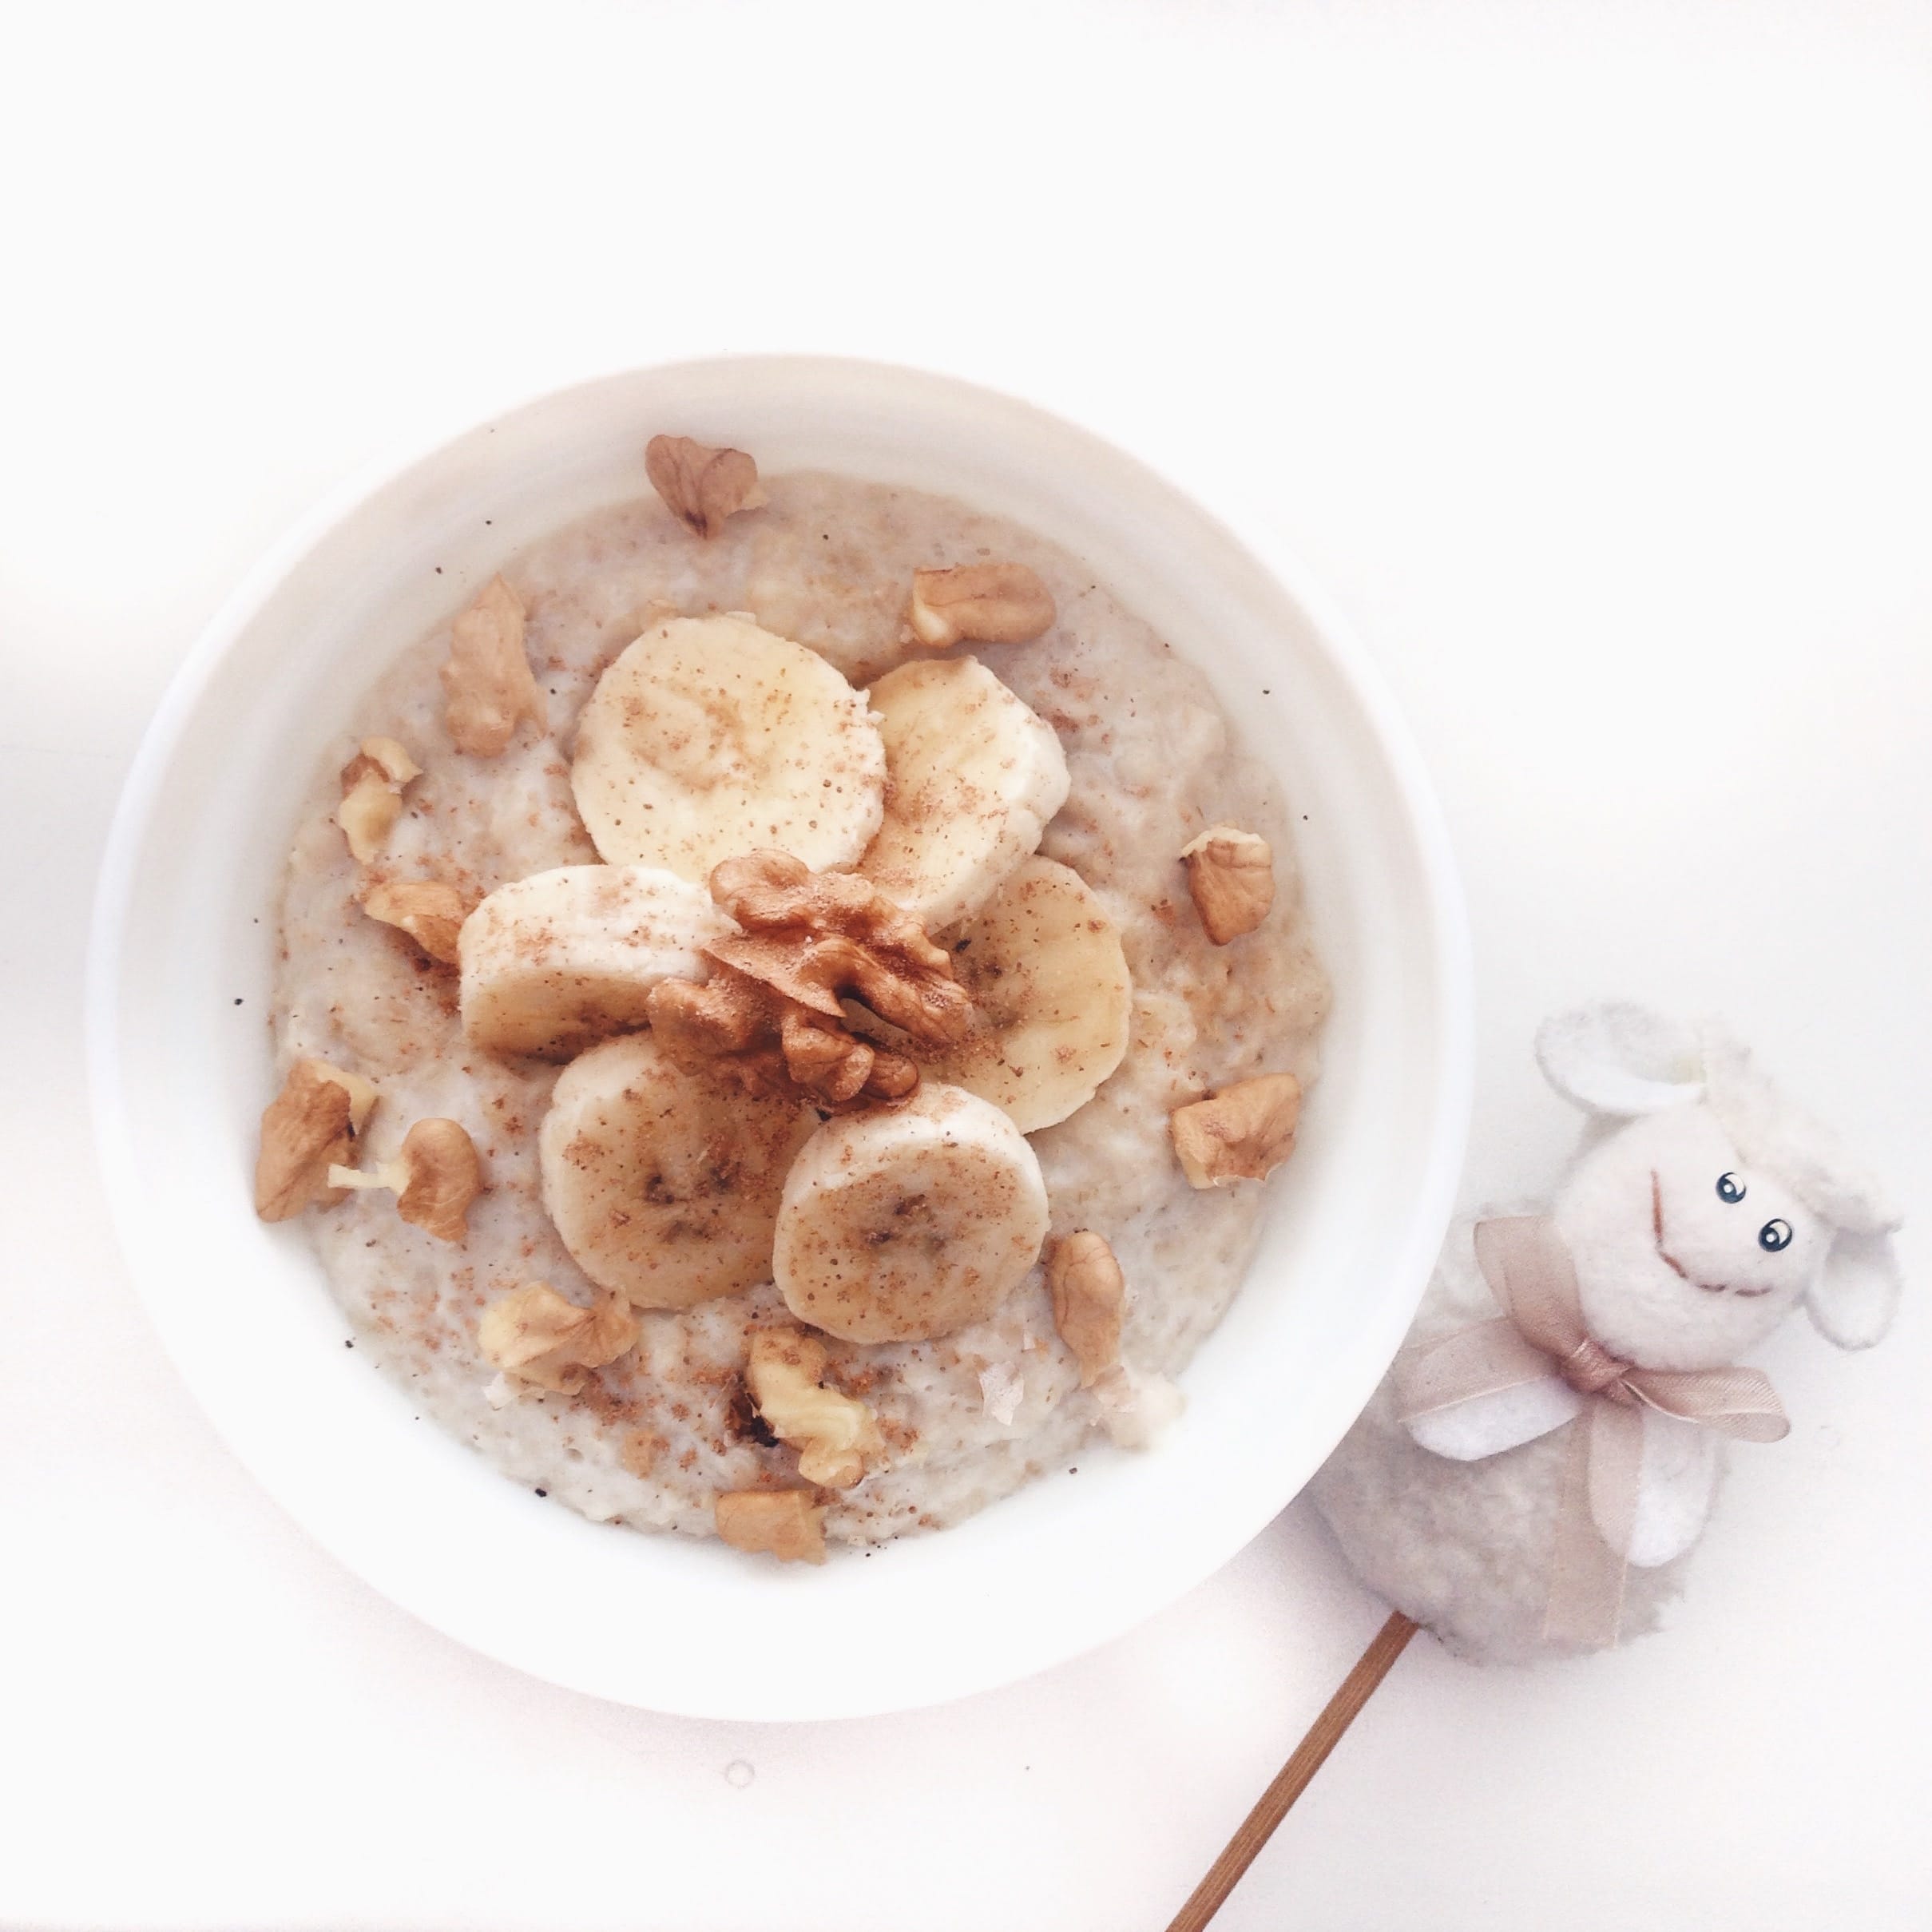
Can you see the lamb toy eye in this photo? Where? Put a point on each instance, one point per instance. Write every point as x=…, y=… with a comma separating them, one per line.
x=1730, y=1188
x=1774, y=1235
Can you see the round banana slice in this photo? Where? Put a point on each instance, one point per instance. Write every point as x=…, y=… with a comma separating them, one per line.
x=664, y=1184
x=909, y=1221
x=972, y=776
x=708, y=736
x=1052, y=998
x=551, y=962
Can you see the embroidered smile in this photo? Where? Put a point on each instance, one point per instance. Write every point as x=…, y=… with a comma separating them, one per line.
x=1672, y=1262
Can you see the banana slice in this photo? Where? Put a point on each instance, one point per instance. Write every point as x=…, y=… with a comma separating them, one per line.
x=555, y=961
x=664, y=1184
x=909, y=1221
x=1052, y=998
x=972, y=776
x=708, y=736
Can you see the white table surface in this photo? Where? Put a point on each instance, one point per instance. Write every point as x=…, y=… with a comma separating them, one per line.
x=1586, y=355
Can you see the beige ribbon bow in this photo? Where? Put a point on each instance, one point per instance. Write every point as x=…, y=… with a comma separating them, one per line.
x=1526, y=1264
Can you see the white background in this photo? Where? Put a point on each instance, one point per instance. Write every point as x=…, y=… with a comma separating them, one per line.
x=1586, y=355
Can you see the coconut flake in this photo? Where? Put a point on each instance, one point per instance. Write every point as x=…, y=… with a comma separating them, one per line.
x=1135, y=1409
x=1001, y=1388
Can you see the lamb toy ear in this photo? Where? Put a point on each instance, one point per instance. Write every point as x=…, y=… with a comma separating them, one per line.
x=1620, y=1059
x=1856, y=1294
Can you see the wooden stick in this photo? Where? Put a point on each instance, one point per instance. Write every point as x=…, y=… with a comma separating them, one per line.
x=1293, y=1779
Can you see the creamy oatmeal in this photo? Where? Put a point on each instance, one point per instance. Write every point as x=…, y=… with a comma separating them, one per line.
x=1051, y=837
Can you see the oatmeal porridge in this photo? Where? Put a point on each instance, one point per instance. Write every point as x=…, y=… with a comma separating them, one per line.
x=788, y=1003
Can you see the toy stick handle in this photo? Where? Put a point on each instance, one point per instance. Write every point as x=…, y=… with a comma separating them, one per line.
x=1293, y=1779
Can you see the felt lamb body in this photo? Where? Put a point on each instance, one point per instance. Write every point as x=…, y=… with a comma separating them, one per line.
x=1546, y=1447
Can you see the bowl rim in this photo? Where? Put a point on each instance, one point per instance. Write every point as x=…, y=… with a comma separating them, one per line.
x=1448, y=978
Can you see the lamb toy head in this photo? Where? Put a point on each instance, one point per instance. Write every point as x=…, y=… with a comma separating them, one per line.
x=1700, y=1221
x=1702, y=1207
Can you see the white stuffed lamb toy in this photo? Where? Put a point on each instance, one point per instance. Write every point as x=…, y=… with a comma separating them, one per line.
x=1702, y=1207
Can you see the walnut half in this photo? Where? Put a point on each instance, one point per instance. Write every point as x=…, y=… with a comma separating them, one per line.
x=982, y=603
x=1243, y=1133
x=310, y=1124
x=700, y=485
x=1090, y=1296
x=1231, y=878
x=536, y=1336
x=834, y=1435
x=435, y=1179
x=486, y=677
x=772, y=1014
x=787, y=1523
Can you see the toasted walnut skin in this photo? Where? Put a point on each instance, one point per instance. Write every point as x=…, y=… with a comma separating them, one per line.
x=1089, y=1295
x=772, y=1014
x=535, y=1335
x=787, y=1523
x=308, y=1127
x=1243, y=1133
x=835, y=1437
x=981, y=604
x=699, y=484
x=445, y=1178
x=486, y=677
x=1231, y=878
x=431, y=913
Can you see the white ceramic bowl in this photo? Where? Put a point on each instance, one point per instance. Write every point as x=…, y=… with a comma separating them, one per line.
x=181, y=1069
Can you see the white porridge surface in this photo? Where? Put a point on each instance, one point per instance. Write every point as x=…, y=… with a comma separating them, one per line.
x=654, y=1437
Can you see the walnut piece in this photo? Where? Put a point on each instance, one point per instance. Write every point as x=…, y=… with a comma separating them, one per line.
x=1231, y=878
x=486, y=677
x=787, y=1523
x=701, y=485
x=435, y=1178
x=373, y=783
x=311, y=1123
x=984, y=603
x=834, y=1435
x=1090, y=1296
x=537, y=1336
x=1243, y=1133
x=772, y=1014
x=431, y=913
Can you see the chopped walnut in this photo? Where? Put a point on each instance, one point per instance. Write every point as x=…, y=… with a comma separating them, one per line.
x=1231, y=878
x=431, y=913
x=700, y=485
x=537, y=1336
x=772, y=1014
x=1089, y=1295
x=834, y=1435
x=373, y=783
x=312, y=1123
x=1243, y=1133
x=787, y=1523
x=435, y=1178
x=982, y=603
x=640, y=1450
x=486, y=677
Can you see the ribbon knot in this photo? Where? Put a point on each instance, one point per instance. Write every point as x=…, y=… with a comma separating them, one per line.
x=1539, y=1333
x=1590, y=1369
